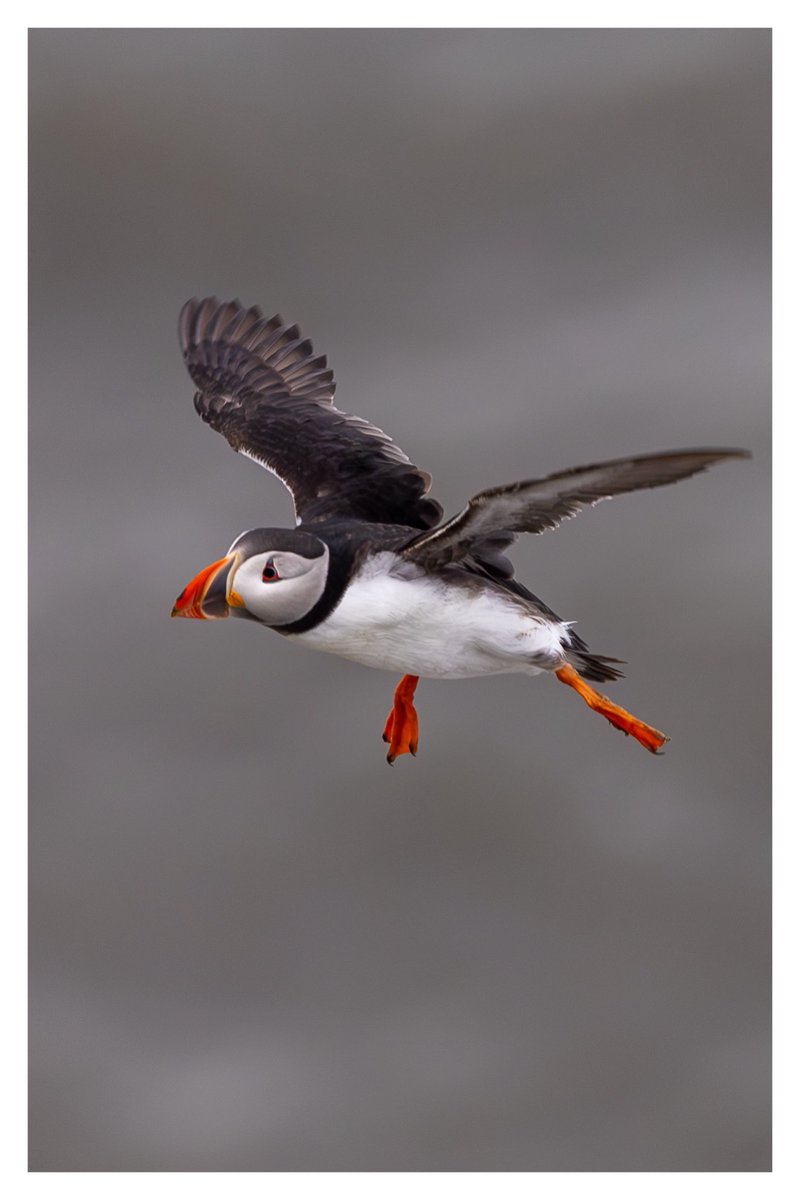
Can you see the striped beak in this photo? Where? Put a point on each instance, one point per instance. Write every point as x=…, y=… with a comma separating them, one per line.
x=209, y=596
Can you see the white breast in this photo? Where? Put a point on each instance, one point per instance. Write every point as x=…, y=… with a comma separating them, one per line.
x=417, y=624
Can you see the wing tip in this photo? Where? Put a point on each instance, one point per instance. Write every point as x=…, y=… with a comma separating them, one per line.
x=274, y=343
x=209, y=314
x=716, y=452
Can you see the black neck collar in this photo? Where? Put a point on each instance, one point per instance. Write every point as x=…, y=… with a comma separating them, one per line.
x=341, y=568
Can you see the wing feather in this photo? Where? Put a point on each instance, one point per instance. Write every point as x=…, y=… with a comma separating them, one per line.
x=261, y=386
x=539, y=504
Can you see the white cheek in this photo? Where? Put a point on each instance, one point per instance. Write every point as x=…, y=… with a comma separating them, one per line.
x=285, y=600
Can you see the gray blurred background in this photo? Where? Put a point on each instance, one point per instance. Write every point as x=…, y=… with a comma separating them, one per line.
x=254, y=946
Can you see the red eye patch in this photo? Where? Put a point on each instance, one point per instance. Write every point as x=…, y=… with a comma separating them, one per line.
x=269, y=574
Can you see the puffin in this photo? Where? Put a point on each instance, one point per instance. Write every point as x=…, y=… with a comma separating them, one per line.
x=371, y=571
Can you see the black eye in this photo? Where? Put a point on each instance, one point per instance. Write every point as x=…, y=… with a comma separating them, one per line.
x=269, y=574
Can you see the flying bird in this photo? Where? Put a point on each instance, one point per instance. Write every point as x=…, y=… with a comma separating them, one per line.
x=371, y=572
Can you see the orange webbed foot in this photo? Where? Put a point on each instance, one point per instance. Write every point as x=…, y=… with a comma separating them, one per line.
x=401, y=730
x=652, y=739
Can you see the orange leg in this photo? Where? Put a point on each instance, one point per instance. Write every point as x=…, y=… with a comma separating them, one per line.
x=401, y=730
x=645, y=735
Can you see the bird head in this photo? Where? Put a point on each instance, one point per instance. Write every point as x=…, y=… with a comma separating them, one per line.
x=274, y=576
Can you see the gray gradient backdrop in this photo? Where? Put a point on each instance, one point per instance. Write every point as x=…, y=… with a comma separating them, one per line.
x=536, y=947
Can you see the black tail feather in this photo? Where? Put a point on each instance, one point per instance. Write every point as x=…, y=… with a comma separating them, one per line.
x=596, y=667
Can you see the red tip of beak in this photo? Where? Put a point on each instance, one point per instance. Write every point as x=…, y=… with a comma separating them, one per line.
x=190, y=601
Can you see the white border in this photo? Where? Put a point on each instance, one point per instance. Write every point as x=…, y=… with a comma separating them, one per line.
x=785, y=1179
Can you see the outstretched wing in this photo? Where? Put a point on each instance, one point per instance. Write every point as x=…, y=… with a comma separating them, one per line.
x=539, y=504
x=262, y=388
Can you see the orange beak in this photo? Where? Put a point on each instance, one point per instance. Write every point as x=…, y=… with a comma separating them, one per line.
x=207, y=597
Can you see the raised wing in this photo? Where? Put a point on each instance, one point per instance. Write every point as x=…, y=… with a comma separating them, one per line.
x=539, y=504
x=262, y=388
